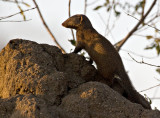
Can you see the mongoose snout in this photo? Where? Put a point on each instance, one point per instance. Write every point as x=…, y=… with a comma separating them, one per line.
x=72, y=22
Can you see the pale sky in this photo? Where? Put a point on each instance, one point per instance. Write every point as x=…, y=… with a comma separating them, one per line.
x=55, y=12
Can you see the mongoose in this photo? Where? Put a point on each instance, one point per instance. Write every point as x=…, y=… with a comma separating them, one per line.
x=104, y=54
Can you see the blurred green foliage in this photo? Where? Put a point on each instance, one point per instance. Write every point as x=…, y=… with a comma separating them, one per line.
x=119, y=5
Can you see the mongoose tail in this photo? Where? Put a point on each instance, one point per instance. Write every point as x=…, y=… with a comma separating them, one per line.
x=130, y=92
x=106, y=57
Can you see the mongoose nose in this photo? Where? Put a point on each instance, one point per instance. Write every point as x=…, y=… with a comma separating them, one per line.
x=63, y=24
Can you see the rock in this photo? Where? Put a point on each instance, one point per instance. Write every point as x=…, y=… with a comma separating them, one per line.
x=97, y=100
x=38, y=81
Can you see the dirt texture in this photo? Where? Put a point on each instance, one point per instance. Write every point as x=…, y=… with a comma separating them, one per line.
x=38, y=81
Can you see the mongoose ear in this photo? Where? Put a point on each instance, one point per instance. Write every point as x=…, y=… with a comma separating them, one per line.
x=81, y=20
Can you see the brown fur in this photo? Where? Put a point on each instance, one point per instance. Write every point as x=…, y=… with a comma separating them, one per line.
x=106, y=57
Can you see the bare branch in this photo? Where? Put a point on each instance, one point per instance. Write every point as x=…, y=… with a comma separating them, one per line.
x=16, y=20
x=111, y=28
x=155, y=93
x=69, y=13
x=141, y=28
x=121, y=43
x=108, y=22
x=46, y=26
x=153, y=37
x=149, y=88
x=142, y=62
x=107, y=29
x=69, y=8
x=2, y=18
x=144, y=23
x=102, y=19
x=85, y=7
x=128, y=51
x=19, y=2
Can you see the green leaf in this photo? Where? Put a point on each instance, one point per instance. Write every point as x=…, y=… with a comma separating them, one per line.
x=26, y=4
x=156, y=30
x=107, y=1
x=158, y=70
x=98, y=7
x=157, y=40
x=150, y=47
x=73, y=42
x=117, y=13
x=109, y=8
x=139, y=5
x=158, y=49
x=142, y=3
x=149, y=37
x=136, y=7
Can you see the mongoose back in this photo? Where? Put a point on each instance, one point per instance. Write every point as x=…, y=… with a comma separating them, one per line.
x=104, y=54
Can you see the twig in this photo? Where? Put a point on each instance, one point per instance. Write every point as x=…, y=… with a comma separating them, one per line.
x=143, y=6
x=108, y=22
x=150, y=88
x=112, y=36
x=2, y=18
x=102, y=19
x=112, y=27
x=153, y=37
x=21, y=10
x=144, y=23
x=16, y=21
x=69, y=13
x=69, y=8
x=121, y=43
x=107, y=26
x=92, y=2
x=154, y=98
x=151, y=20
x=138, y=54
x=85, y=7
x=157, y=79
x=19, y=2
x=142, y=62
x=155, y=93
x=46, y=26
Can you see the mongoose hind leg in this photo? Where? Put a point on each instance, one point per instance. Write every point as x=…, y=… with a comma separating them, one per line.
x=101, y=79
x=117, y=86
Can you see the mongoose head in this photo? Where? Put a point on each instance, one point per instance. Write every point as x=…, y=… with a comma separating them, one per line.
x=77, y=21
